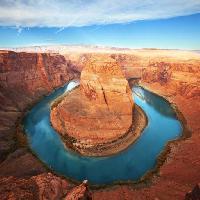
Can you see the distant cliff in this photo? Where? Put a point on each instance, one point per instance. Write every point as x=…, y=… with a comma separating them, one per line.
x=178, y=71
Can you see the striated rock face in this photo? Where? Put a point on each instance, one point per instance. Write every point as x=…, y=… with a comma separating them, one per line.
x=174, y=74
x=24, y=78
x=178, y=77
x=178, y=71
x=45, y=186
x=32, y=74
x=103, y=82
x=80, y=192
x=100, y=110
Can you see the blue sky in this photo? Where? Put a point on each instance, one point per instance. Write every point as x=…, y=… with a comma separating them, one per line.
x=175, y=27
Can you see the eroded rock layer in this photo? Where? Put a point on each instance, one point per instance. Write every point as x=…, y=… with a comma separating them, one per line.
x=172, y=73
x=24, y=78
x=100, y=111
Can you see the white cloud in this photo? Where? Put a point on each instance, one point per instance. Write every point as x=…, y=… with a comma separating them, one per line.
x=65, y=13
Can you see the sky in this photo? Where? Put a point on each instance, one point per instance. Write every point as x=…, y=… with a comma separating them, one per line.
x=168, y=24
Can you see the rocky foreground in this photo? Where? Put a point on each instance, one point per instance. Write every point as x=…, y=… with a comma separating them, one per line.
x=26, y=77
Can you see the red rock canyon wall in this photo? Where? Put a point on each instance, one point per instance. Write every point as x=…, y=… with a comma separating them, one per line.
x=26, y=77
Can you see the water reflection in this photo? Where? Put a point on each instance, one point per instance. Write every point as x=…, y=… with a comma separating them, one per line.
x=159, y=103
x=130, y=164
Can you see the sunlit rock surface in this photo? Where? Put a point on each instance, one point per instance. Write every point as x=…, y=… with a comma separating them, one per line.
x=100, y=110
x=80, y=192
x=173, y=73
x=24, y=79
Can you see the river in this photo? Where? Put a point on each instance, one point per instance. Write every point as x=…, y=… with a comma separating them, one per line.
x=128, y=165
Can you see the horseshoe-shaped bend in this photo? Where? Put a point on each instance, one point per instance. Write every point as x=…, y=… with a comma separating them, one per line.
x=128, y=165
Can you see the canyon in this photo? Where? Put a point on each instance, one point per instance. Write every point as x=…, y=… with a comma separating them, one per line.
x=26, y=75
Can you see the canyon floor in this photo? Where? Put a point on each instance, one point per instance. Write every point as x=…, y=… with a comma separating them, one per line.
x=27, y=74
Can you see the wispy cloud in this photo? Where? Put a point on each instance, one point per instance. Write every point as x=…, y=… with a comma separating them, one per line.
x=66, y=13
x=19, y=30
x=60, y=30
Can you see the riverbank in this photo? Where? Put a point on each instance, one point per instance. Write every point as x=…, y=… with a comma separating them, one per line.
x=133, y=157
x=104, y=146
x=179, y=163
x=139, y=122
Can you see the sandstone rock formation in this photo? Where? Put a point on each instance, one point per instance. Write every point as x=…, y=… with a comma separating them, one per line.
x=45, y=186
x=173, y=69
x=24, y=78
x=180, y=85
x=100, y=111
x=80, y=192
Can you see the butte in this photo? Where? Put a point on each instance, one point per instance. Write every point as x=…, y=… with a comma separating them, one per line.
x=95, y=116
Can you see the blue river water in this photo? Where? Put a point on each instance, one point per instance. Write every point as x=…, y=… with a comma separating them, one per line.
x=128, y=165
